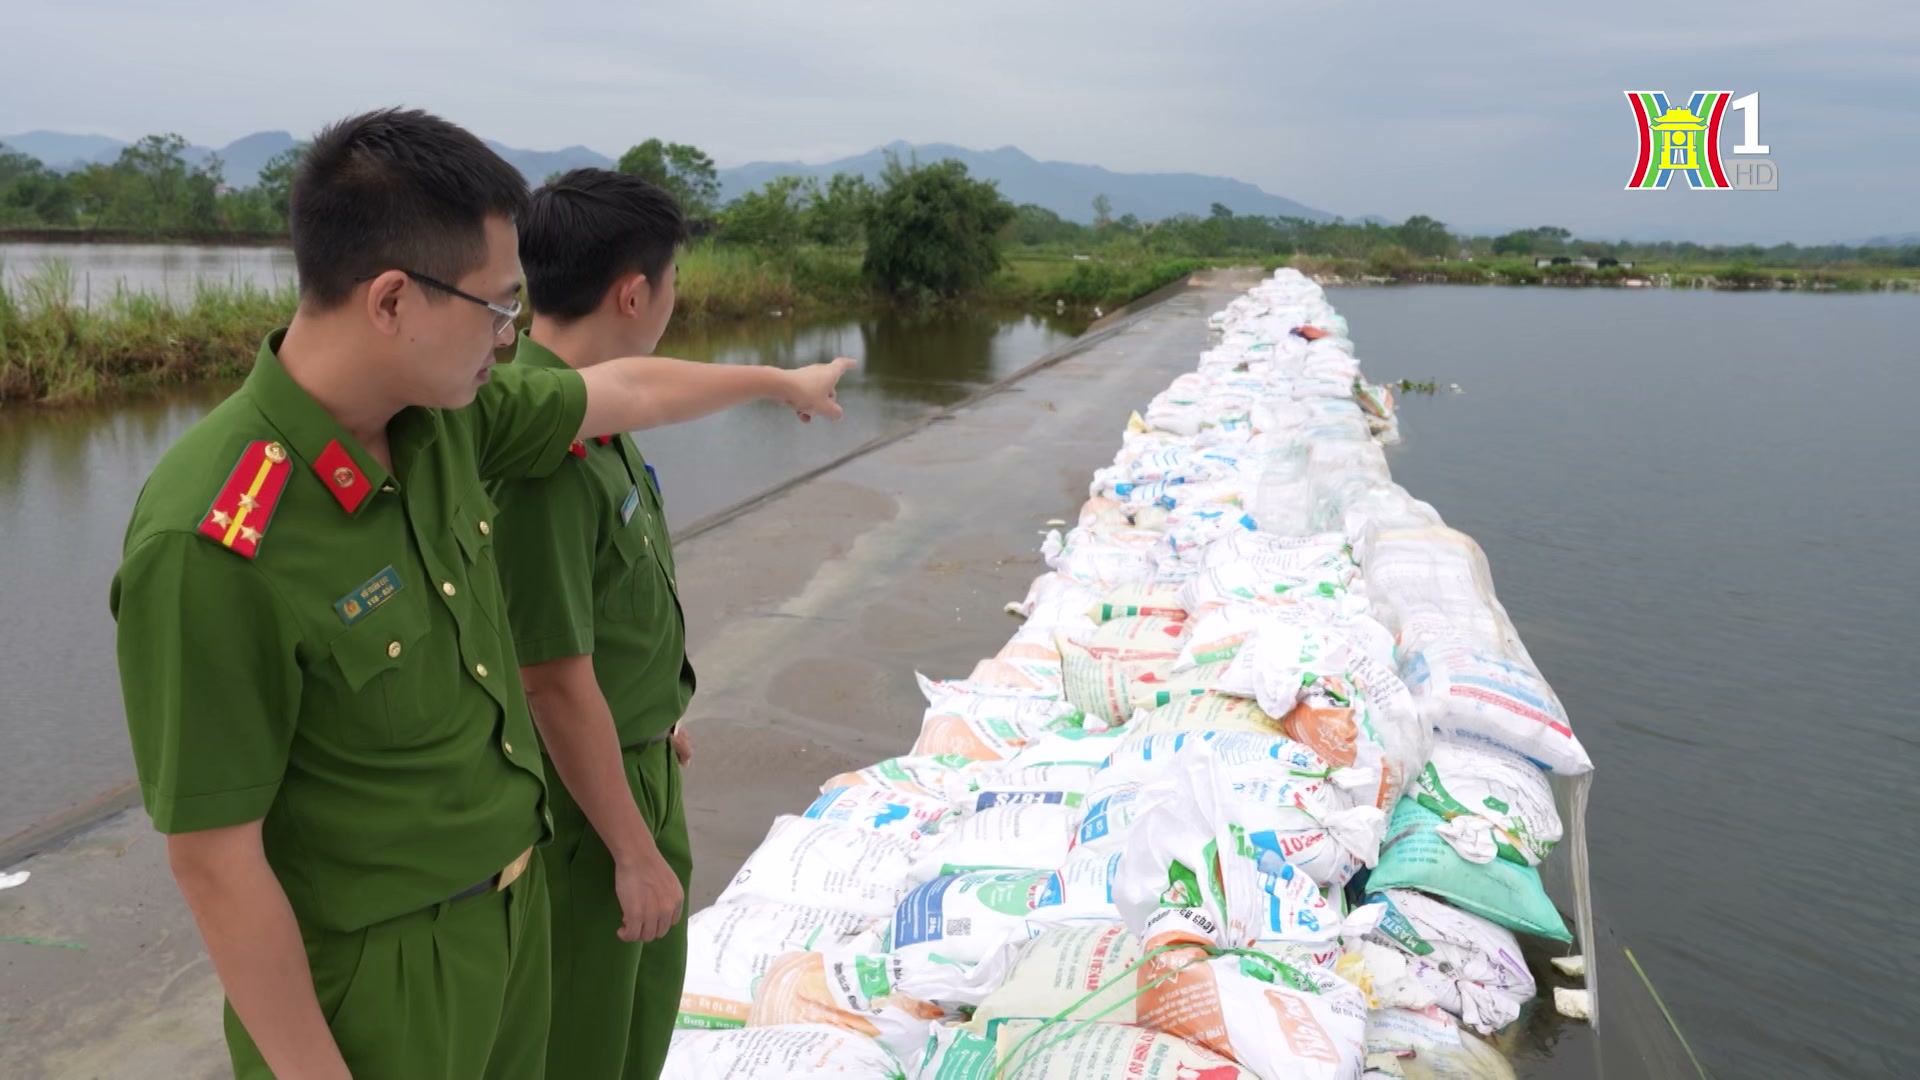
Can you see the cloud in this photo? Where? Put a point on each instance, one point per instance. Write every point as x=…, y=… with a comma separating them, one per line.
x=1492, y=112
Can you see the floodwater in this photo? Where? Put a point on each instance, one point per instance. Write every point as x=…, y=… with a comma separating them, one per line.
x=92, y=272
x=1700, y=510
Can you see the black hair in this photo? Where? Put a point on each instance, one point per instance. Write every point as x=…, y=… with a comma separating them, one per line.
x=586, y=228
x=395, y=190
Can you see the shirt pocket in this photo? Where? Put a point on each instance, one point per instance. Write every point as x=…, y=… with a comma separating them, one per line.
x=473, y=533
x=383, y=663
x=473, y=526
x=620, y=597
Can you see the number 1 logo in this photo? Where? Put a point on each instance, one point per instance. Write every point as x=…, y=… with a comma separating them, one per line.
x=1685, y=140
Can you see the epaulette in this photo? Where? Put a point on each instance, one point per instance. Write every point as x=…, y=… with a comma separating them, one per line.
x=238, y=518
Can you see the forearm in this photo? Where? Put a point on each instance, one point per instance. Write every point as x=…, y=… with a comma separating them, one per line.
x=577, y=727
x=639, y=392
x=255, y=945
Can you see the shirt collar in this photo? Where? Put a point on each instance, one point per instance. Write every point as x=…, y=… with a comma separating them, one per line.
x=534, y=354
x=318, y=440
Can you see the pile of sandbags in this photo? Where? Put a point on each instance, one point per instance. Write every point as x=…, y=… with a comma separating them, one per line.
x=1257, y=789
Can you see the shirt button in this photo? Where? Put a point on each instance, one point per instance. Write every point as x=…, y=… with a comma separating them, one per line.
x=393, y=650
x=507, y=746
x=485, y=528
x=447, y=587
x=480, y=670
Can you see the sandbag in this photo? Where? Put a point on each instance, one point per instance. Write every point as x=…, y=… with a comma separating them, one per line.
x=825, y=865
x=890, y=998
x=1427, y=1044
x=1496, y=802
x=1103, y=564
x=1465, y=964
x=1035, y=678
x=1108, y=818
x=1189, y=889
x=920, y=776
x=1072, y=747
x=1057, y=602
x=983, y=727
x=1286, y=800
x=1053, y=972
x=1081, y=890
x=731, y=945
x=1032, y=836
x=1414, y=855
x=1334, y=692
x=1157, y=690
x=876, y=809
x=1031, y=1050
x=1013, y=784
x=1207, y=711
x=966, y=917
x=1275, y=1021
x=1138, y=601
x=1471, y=693
x=1097, y=670
x=1191, y=870
x=794, y=1052
x=1108, y=687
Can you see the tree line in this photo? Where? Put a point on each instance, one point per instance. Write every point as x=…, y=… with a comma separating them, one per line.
x=921, y=227
x=149, y=188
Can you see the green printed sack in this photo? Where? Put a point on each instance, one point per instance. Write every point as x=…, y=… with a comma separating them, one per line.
x=1415, y=856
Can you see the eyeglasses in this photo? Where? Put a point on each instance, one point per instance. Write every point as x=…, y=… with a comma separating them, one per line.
x=503, y=314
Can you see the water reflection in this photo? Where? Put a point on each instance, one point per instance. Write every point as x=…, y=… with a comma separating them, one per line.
x=908, y=363
x=170, y=270
x=935, y=357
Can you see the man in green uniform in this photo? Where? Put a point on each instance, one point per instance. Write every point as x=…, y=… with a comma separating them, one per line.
x=595, y=610
x=324, y=702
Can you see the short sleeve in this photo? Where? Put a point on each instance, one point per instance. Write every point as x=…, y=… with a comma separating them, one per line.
x=211, y=681
x=524, y=419
x=545, y=543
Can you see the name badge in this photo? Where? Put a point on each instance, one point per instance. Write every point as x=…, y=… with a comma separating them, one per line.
x=378, y=590
x=628, y=507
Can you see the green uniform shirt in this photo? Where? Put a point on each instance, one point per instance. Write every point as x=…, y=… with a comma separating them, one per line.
x=354, y=682
x=588, y=568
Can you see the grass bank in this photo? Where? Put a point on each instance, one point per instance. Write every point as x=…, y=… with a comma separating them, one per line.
x=56, y=349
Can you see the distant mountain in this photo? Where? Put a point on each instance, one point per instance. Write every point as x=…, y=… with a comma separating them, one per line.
x=1066, y=189
x=58, y=150
x=243, y=159
x=1901, y=240
x=537, y=165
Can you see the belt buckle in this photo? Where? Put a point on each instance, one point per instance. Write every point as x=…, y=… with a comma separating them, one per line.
x=514, y=869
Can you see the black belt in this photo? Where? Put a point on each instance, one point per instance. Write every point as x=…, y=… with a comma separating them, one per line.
x=498, y=881
x=486, y=886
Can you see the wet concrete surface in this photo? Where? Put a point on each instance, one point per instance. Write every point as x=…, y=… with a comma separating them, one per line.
x=899, y=561
x=808, y=614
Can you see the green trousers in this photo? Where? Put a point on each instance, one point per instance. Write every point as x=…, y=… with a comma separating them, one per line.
x=457, y=991
x=614, y=1002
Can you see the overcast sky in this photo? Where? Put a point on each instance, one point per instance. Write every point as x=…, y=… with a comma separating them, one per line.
x=1481, y=113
